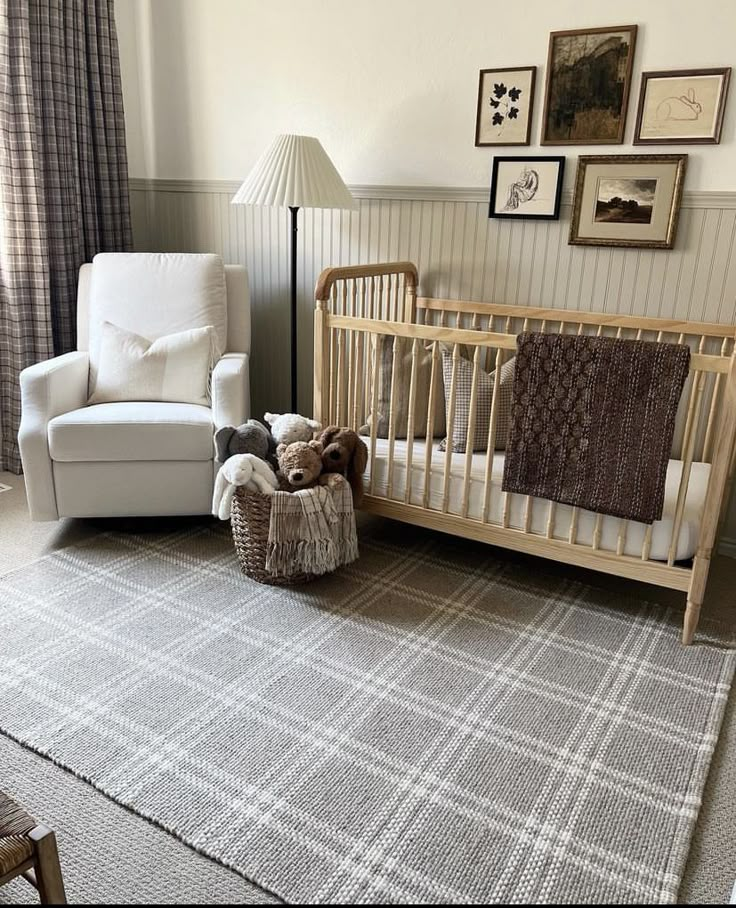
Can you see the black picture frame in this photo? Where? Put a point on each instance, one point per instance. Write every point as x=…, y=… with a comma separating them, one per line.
x=519, y=212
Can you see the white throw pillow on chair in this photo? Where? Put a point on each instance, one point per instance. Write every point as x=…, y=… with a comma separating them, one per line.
x=174, y=368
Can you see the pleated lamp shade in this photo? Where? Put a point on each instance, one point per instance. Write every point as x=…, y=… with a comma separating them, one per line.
x=295, y=171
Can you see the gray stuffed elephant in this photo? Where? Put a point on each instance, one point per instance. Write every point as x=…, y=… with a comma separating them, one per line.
x=250, y=438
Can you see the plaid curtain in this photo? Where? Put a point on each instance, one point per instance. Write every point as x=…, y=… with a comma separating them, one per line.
x=63, y=178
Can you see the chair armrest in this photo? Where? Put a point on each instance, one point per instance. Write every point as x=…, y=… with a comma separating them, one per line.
x=47, y=389
x=231, y=390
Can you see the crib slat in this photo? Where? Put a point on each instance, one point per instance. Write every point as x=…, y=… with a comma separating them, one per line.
x=623, y=527
x=528, y=513
x=693, y=412
x=340, y=375
x=470, y=436
x=450, y=426
x=410, y=420
x=378, y=341
x=572, y=536
x=350, y=338
x=321, y=363
x=646, y=547
x=358, y=379
x=434, y=376
x=491, y=444
x=392, y=415
x=597, y=531
x=332, y=406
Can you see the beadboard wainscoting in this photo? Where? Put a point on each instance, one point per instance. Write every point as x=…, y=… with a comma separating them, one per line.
x=460, y=253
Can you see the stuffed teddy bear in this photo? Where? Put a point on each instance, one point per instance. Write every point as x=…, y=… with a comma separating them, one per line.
x=250, y=438
x=344, y=452
x=241, y=470
x=300, y=463
x=289, y=427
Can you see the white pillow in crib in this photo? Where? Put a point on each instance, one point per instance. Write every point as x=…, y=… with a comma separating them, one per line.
x=174, y=368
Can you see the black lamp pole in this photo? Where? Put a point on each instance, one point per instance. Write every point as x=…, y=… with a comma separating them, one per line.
x=294, y=212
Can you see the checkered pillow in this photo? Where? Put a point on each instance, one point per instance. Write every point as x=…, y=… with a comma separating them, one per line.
x=463, y=388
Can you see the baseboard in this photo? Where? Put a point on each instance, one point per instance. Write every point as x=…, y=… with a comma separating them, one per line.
x=727, y=547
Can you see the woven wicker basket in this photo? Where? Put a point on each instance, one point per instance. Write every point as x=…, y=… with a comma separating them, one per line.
x=250, y=519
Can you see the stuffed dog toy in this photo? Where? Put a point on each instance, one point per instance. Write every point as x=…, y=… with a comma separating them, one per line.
x=300, y=463
x=241, y=470
x=289, y=427
x=344, y=452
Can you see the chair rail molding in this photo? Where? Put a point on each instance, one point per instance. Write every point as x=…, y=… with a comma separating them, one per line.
x=723, y=200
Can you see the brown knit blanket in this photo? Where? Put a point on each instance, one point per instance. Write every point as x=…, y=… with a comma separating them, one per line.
x=593, y=420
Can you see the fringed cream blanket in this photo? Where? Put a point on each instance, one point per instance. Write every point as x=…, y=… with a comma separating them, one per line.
x=312, y=531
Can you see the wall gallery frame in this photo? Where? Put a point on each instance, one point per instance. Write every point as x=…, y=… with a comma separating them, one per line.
x=505, y=106
x=526, y=187
x=627, y=200
x=682, y=107
x=588, y=81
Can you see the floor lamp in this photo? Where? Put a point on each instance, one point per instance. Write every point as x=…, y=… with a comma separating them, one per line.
x=295, y=172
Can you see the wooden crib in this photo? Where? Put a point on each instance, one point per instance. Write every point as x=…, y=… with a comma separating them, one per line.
x=361, y=309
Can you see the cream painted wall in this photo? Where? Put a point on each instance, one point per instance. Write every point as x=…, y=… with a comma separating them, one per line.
x=388, y=86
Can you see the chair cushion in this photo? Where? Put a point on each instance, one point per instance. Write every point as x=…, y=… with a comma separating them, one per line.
x=153, y=294
x=132, y=431
x=174, y=368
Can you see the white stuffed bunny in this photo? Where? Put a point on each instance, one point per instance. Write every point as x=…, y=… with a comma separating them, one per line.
x=241, y=470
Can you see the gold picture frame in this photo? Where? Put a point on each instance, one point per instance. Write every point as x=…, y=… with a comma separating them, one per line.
x=627, y=200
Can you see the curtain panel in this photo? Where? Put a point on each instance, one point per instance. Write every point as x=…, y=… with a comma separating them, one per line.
x=63, y=178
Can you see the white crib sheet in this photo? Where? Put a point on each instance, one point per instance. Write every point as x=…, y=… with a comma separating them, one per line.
x=610, y=526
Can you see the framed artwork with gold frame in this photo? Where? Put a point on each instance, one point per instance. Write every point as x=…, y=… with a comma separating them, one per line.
x=627, y=200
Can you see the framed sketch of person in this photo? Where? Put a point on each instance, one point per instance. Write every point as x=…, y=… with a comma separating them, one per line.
x=526, y=187
x=682, y=107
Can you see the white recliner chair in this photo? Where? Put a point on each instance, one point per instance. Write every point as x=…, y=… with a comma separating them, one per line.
x=135, y=458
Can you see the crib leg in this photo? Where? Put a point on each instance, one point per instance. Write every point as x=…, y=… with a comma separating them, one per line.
x=695, y=596
x=690, y=625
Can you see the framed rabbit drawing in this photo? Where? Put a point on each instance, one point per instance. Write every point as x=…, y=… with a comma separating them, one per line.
x=682, y=107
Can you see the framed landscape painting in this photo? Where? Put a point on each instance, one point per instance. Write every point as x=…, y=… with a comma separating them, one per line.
x=682, y=107
x=588, y=82
x=627, y=200
x=526, y=187
x=505, y=104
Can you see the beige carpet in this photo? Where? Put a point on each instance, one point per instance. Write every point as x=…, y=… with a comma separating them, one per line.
x=710, y=872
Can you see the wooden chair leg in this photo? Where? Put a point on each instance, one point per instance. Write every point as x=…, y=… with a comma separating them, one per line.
x=48, y=871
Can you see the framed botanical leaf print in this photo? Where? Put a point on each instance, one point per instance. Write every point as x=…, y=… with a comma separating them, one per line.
x=505, y=104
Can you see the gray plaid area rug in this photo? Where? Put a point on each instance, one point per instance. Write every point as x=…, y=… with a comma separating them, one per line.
x=430, y=724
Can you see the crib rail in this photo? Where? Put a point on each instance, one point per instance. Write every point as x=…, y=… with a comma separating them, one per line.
x=377, y=345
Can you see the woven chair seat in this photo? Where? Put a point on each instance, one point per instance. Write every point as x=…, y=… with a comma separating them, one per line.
x=15, y=824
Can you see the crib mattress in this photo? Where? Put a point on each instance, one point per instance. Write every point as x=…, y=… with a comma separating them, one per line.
x=610, y=526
